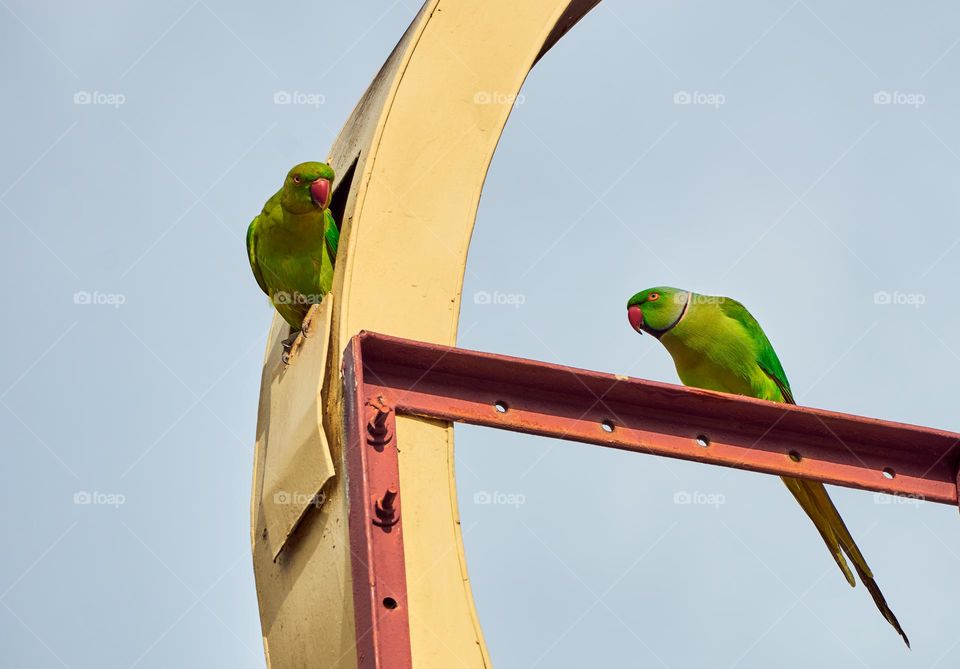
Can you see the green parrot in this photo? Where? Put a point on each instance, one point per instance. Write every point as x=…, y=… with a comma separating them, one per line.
x=292, y=244
x=717, y=345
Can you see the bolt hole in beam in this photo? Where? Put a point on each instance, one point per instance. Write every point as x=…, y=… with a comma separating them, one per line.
x=389, y=603
x=606, y=425
x=888, y=473
x=702, y=440
x=501, y=406
x=795, y=456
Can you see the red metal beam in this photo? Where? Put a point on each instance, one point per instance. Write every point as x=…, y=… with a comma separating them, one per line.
x=458, y=385
x=376, y=535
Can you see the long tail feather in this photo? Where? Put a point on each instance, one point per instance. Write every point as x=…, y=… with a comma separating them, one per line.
x=817, y=504
x=823, y=526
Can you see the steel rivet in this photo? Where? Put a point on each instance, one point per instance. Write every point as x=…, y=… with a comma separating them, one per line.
x=377, y=430
x=385, y=509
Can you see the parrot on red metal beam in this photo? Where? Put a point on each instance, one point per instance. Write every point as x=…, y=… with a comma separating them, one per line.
x=716, y=344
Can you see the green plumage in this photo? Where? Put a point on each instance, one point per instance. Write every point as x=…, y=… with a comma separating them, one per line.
x=292, y=244
x=717, y=344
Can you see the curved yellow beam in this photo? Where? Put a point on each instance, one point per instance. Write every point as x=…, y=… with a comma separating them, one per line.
x=420, y=142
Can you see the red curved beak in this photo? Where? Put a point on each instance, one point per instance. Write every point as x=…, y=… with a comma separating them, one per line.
x=320, y=192
x=635, y=316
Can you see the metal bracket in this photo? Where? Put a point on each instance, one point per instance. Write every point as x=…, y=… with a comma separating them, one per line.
x=385, y=376
x=376, y=532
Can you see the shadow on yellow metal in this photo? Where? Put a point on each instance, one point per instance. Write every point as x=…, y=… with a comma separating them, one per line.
x=411, y=161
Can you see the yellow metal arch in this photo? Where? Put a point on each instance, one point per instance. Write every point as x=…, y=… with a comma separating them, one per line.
x=417, y=148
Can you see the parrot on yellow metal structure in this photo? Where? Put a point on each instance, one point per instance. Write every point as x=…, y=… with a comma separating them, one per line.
x=292, y=244
x=716, y=344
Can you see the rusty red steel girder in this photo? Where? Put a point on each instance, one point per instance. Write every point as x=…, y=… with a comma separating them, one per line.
x=385, y=376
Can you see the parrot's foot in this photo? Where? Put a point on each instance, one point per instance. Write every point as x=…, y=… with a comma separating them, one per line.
x=293, y=343
x=307, y=326
x=290, y=346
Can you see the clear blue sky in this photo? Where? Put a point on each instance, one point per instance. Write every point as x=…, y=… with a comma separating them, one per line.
x=815, y=165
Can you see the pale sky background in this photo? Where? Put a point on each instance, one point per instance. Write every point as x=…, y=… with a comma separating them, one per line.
x=794, y=192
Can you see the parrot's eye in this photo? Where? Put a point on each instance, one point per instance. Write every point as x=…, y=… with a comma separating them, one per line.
x=297, y=179
x=653, y=297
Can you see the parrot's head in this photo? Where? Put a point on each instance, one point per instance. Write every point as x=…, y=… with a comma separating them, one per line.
x=307, y=188
x=656, y=310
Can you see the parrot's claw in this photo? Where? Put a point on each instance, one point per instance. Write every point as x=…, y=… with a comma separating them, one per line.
x=293, y=343
x=289, y=341
x=290, y=346
x=307, y=326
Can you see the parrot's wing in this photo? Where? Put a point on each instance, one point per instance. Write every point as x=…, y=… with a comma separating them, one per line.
x=766, y=357
x=252, y=253
x=812, y=495
x=331, y=234
x=781, y=381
